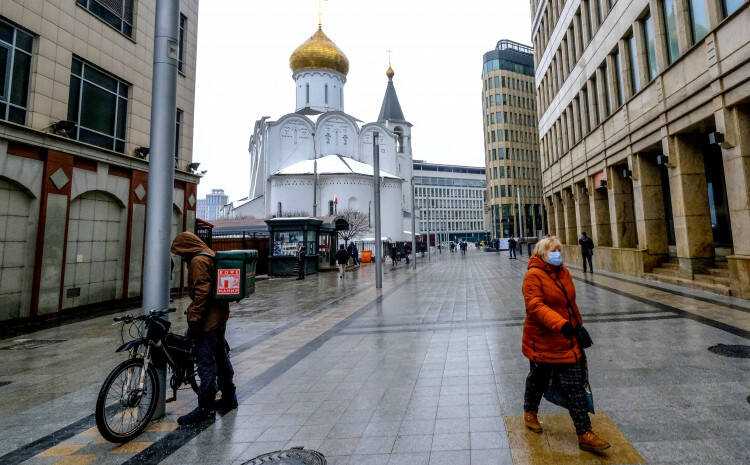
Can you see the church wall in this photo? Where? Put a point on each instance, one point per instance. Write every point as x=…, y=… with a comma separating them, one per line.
x=290, y=141
x=387, y=144
x=294, y=192
x=311, y=90
x=390, y=196
x=337, y=135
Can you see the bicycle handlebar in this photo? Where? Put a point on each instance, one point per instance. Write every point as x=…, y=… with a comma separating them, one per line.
x=152, y=314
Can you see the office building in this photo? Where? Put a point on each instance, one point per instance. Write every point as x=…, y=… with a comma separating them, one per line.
x=210, y=208
x=75, y=96
x=644, y=124
x=450, y=201
x=511, y=142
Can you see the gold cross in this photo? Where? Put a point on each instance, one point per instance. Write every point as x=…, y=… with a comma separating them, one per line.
x=321, y=4
x=389, y=56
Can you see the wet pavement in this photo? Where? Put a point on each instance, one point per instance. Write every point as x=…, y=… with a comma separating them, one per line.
x=427, y=371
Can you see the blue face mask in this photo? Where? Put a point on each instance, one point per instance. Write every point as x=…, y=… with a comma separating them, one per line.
x=554, y=258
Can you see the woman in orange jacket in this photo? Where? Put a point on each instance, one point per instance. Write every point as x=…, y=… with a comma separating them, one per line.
x=552, y=316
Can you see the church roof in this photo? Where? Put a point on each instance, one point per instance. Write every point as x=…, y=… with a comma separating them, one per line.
x=333, y=164
x=391, y=108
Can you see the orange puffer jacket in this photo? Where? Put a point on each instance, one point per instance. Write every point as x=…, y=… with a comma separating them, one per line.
x=547, y=312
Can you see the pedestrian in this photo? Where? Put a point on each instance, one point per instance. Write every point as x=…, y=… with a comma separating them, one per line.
x=342, y=258
x=521, y=243
x=301, y=258
x=553, y=344
x=354, y=253
x=587, y=251
x=207, y=323
x=512, y=248
x=394, y=255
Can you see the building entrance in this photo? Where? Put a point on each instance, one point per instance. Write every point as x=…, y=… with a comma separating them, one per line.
x=717, y=197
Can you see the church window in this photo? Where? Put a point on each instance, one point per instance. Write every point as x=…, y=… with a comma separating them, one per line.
x=307, y=93
x=278, y=209
x=399, y=139
x=328, y=138
x=331, y=207
x=325, y=90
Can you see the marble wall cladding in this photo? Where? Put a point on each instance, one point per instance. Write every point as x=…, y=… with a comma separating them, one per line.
x=136, y=250
x=95, y=248
x=52, y=255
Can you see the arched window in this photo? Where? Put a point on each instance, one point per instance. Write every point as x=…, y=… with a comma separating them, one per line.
x=278, y=210
x=325, y=90
x=307, y=93
x=399, y=139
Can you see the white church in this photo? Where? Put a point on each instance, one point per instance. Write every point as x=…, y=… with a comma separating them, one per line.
x=318, y=160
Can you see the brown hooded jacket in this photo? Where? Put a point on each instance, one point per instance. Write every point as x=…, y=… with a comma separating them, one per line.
x=210, y=314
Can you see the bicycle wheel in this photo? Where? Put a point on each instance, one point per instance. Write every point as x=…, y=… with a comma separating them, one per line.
x=123, y=410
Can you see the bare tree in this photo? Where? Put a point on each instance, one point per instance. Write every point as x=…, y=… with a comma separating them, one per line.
x=358, y=224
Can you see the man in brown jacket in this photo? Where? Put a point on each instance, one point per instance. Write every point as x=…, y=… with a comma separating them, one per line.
x=207, y=321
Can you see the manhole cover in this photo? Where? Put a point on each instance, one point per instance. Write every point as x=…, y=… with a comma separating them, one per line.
x=26, y=344
x=294, y=456
x=735, y=351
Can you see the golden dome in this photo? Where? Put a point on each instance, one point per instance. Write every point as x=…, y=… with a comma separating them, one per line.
x=389, y=72
x=319, y=52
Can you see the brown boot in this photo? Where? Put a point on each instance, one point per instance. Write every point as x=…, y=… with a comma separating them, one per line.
x=532, y=422
x=590, y=442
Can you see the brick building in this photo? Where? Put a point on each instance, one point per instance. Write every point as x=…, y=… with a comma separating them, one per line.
x=75, y=93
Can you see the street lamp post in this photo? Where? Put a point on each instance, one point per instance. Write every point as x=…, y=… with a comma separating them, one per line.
x=376, y=198
x=413, y=225
x=156, y=275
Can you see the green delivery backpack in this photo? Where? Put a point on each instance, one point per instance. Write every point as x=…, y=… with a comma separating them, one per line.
x=233, y=275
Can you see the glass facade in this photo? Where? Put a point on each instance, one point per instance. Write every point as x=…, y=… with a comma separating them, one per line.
x=181, y=45
x=635, y=75
x=116, y=13
x=619, y=84
x=650, y=39
x=98, y=105
x=670, y=26
x=15, y=67
x=699, y=21
x=730, y=6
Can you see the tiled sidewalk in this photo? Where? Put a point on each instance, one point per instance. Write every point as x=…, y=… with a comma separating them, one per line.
x=428, y=372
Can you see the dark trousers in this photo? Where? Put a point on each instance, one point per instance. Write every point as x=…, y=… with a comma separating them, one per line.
x=587, y=259
x=300, y=270
x=512, y=252
x=572, y=381
x=214, y=368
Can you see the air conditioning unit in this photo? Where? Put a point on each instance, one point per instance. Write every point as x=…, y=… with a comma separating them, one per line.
x=662, y=160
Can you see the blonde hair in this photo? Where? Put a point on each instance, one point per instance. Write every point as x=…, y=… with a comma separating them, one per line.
x=545, y=245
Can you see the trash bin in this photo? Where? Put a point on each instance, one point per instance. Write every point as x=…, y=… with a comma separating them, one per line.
x=235, y=274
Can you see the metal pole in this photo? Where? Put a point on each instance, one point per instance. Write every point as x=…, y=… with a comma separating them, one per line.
x=427, y=210
x=376, y=195
x=413, y=225
x=521, y=215
x=315, y=179
x=156, y=275
x=518, y=212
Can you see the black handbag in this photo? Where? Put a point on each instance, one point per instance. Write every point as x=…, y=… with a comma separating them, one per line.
x=580, y=333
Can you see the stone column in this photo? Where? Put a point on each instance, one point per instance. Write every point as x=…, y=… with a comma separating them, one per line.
x=578, y=35
x=594, y=12
x=585, y=21
x=687, y=183
x=601, y=93
x=593, y=105
x=576, y=120
x=550, y=211
x=601, y=232
x=569, y=210
x=621, y=213
x=559, y=218
x=583, y=210
x=650, y=218
x=735, y=124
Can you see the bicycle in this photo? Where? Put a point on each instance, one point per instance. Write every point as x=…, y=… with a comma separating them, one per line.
x=128, y=397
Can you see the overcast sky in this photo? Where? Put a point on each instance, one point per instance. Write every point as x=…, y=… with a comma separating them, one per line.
x=243, y=71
